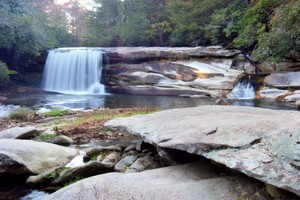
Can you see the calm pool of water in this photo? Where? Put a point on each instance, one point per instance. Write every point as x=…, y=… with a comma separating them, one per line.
x=62, y=101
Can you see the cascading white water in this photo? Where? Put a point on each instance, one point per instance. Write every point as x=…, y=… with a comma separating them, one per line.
x=244, y=90
x=74, y=70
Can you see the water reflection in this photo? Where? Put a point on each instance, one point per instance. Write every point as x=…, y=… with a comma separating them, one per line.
x=61, y=101
x=56, y=101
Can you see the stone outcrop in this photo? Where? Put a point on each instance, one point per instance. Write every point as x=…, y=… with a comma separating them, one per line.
x=282, y=86
x=141, y=54
x=208, y=71
x=32, y=157
x=191, y=181
x=283, y=80
x=254, y=141
x=18, y=133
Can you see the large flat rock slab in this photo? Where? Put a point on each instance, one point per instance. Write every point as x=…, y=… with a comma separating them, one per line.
x=262, y=143
x=137, y=54
x=191, y=181
x=35, y=157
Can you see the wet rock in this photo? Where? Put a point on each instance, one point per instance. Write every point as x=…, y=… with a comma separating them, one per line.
x=62, y=140
x=36, y=157
x=124, y=163
x=142, y=164
x=191, y=181
x=273, y=93
x=43, y=178
x=98, y=150
x=111, y=158
x=293, y=96
x=18, y=133
x=251, y=140
x=90, y=169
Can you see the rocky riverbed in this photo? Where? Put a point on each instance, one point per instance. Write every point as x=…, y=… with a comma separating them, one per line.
x=210, y=153
x=49, y=152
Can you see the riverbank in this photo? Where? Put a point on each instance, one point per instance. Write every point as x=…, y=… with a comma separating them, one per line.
x=84, y=128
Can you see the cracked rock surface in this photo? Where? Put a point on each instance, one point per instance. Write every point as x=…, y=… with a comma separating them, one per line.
x=187, y=182
x=262, y=143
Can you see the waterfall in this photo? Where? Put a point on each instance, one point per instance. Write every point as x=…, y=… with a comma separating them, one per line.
x=74, y=70
x=243, y=90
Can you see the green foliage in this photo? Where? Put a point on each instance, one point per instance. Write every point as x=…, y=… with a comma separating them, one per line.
x=54, y=174
x=46, y=137
x=255, y=22
x=5, y=74
x=57, y=113
x=273, y=46
x=269, y=28
x=127, y=23
x=22, y=114
x=190, y=19
x=159, y=30
x=28, y=78
x=223, y=26
x=73, y=180
x=26, y=33
x=103, y=24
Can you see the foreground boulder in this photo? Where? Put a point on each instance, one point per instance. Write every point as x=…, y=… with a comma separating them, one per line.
x=31, y=157
x=191, y=181
x=18, y=133
x=262, y=143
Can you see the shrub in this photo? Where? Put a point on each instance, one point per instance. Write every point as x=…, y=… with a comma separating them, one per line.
x=22, y=114
x=57, y=113
x=46, y=137
x=5, y=74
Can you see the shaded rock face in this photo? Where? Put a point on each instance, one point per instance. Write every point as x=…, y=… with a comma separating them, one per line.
x=10, y=167
x=191, y=181
x=251, y=140
x=210, y=71
x=33, y=157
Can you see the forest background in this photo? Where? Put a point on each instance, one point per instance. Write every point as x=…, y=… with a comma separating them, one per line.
x=269, y=30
